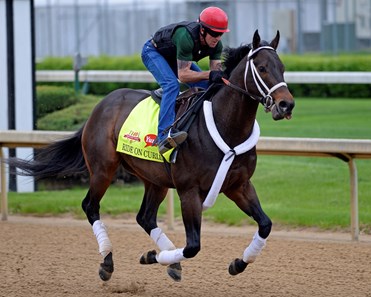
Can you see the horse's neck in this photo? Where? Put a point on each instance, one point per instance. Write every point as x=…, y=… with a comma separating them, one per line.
x=234, y=115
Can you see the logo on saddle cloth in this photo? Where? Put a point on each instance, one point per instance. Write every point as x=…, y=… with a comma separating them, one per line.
x=139, y=131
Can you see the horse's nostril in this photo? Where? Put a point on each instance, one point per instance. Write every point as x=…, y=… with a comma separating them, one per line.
x=286, y=106
x=283, y=105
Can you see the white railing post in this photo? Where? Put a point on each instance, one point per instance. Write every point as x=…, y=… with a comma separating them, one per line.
x=354, y=220
x=4, y=194
x=170, y=209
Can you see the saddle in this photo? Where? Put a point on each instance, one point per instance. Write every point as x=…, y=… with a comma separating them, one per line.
x=187, y=106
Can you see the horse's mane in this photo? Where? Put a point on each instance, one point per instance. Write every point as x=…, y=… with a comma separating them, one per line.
x=233, y=56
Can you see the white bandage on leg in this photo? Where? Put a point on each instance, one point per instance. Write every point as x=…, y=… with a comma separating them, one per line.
x=100, y=232
x=170, y=257
x=161, y=240
x=254, y=249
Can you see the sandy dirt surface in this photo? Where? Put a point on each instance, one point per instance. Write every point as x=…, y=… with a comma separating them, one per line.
x=59, y=257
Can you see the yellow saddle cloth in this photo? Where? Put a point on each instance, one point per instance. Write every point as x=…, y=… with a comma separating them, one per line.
x=139, y=131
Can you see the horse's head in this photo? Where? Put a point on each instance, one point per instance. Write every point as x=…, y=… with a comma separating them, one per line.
x=266, y=78
x=260, y=75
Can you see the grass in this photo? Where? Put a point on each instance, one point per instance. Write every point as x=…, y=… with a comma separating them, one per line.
x=294, y=191
x=323, y=118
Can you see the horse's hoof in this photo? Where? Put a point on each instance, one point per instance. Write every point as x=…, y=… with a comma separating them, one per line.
x=237, y=266
x=175, y=271
x=104, y=274
x=106, y=268
x=148, y=258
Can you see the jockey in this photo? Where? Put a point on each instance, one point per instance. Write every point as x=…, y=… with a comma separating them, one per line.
x=169, y=56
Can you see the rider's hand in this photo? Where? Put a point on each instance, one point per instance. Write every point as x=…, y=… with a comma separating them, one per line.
x=216, y=76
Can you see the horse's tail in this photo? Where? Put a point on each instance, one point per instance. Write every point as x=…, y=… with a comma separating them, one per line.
x=59, y=159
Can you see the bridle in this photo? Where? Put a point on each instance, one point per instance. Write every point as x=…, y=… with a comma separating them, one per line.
x=263, y=89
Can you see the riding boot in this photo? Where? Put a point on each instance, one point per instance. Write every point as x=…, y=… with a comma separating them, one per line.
x=172, y=140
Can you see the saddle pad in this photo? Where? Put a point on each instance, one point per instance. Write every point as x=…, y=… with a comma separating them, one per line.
x=139, y=131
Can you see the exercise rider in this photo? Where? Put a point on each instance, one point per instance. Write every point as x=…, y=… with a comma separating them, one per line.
x=170, y=54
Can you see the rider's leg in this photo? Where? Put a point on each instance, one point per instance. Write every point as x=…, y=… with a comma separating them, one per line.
x=168, y=81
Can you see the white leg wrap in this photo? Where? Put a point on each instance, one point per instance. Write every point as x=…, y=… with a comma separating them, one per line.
x=161, y=240
x=100, y=232
x=170, y=257
x=254, y=249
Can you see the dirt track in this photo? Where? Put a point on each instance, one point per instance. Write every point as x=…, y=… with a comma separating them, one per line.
x=58, y=257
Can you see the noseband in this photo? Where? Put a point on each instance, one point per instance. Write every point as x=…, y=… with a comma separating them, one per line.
x=263, y=89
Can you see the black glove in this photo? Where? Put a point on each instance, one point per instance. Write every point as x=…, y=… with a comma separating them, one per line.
x=216, y=76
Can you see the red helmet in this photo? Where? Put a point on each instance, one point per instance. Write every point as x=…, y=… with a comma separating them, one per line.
x=214, y=18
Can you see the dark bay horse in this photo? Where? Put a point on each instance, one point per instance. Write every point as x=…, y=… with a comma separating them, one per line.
x=220, y=146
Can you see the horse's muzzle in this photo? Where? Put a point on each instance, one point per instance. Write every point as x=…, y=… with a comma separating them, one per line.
x=283, y=109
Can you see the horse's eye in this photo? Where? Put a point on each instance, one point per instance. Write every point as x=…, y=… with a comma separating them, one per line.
x=262, y=69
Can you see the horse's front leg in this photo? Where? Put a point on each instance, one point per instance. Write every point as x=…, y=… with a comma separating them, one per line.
x=191, y=212
x=247, y=200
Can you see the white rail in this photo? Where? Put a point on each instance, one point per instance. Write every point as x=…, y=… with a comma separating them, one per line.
x=345, y=149
x=144, y=76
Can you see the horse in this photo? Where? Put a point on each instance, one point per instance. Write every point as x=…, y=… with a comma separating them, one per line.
x=219, y=156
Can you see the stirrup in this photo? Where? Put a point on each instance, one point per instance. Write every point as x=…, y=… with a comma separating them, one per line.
x=176, y=138
x=172, y=140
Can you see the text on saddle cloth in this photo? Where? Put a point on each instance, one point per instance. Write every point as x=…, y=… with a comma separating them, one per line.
x=139, y=131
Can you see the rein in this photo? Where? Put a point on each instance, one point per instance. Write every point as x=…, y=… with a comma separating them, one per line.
x=266, y=98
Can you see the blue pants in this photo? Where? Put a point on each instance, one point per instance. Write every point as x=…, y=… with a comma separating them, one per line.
x=168, y=81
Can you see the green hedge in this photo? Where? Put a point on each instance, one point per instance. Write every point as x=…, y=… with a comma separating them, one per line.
x=314, y=62
x=70, y=118
x=343, y=62
x=317, y=62
x=53, y=98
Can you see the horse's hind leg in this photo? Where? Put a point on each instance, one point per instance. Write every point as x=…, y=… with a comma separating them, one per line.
x=147, y=219
x=91, y=208
x=247, y=200
x=101, y=174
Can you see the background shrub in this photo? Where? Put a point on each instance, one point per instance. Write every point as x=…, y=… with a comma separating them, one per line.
x=318, y=62
x=70, y=118
x=53, y=98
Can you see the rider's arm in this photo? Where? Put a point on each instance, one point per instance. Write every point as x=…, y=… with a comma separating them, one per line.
x=184, y=44
x=186, y=75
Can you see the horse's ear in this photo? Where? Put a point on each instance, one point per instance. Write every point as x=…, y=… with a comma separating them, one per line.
x=256, y=40
x=276, y=40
